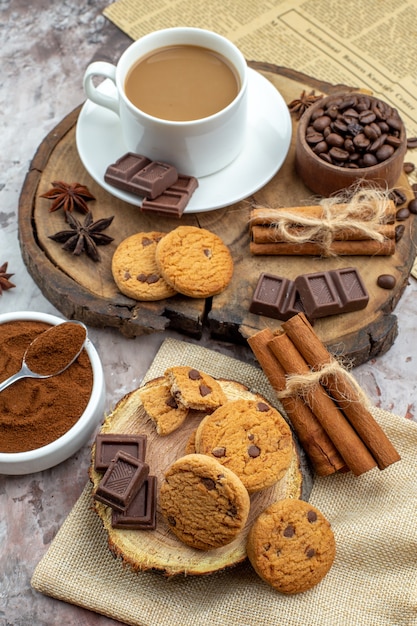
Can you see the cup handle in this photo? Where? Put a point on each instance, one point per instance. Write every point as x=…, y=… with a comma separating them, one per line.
x=101, y=68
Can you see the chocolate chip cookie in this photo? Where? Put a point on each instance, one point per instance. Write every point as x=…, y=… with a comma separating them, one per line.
x=291, y=546
x=135, y=271
x=249, y=437
x=162, y=407
x=194, y=261
x=194, y=389
x=204, y=504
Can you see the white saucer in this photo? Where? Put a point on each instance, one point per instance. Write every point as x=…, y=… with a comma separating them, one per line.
x=100, y=143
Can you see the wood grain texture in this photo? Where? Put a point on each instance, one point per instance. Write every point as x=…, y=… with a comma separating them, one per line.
x=85, y=290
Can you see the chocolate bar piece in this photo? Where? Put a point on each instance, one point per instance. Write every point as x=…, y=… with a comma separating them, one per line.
x=153, y=179
x=332, y=292
x=169, y=204
x=275, y=297
x=139, y=175
x=122, y=171
x=121, y=482
x=174, y=200
x=107, y=446
x=141, y=512
x=185, y=184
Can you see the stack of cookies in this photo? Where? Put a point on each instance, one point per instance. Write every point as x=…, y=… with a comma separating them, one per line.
x=240, y=447
x=188, y=260
x=227, y=466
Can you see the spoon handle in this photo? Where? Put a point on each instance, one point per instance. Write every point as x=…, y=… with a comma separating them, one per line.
x=12, y=379
x=24, y=372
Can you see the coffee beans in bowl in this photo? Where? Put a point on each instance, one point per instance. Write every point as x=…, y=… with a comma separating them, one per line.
x=349, y=137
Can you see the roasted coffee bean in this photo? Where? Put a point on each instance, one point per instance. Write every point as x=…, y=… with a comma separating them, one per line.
x=386, y=281
x=384, y=152
x=320, y=147
x=355, y=131
x=314, y=138
x=397, y=196
x=414, y=189
x=367, y=117
x=335, y=140
x=332, y=112
x=349, y=145
x=321, y=123
x=338, y=154
x=411, y=143
x=339, y=126
x=347, y=103
x=361, y=141
x=325, y=156
x=402, y=214
x=394, y=141
x=409, y=167
x=383, y=126
x=399, y=232
x=412, y=206
x=394, y=122
x=378, y=143
x=372, y=131
x=317, y=113
x=369, y=159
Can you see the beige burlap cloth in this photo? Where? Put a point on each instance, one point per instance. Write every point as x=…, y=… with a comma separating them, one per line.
x=373, y=581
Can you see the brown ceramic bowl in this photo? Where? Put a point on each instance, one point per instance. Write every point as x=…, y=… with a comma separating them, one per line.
x=325, y=178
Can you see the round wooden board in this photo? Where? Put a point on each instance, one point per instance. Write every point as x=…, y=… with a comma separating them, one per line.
x=84, y=290
x=159, y=549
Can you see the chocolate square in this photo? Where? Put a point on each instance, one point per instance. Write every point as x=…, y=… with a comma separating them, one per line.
x=120, y=173
x=169, y=203
x=275, y=297
x=351, y=288
x=108, y=444
x=141, y=512
x=121, y=482
x=154, y=179
x=318, y=294
x=184, y=184
x=332, y=292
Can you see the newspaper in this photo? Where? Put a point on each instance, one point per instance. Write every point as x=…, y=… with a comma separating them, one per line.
x=370, y=44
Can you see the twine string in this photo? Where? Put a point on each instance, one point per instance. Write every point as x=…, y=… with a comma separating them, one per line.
x=363, y=213
x=304, y=384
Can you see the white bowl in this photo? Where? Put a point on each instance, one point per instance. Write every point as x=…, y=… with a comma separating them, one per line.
x=64, y=447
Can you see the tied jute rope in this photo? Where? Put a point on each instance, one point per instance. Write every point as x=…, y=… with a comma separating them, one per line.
x=364, y=213
x=303, y=384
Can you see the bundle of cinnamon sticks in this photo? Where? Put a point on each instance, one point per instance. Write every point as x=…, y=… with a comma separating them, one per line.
x=322, y=400
x=334, y=230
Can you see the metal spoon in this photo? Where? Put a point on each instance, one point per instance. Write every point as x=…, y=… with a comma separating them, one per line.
x=26, y=372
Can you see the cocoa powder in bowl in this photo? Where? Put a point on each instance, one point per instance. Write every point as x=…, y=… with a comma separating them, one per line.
x=35, y=412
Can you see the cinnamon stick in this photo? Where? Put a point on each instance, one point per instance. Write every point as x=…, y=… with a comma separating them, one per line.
x=354, y=452
x=265, y=215
x=339, y=248
x=314, y=439
x=303, y=336
x=263, y=233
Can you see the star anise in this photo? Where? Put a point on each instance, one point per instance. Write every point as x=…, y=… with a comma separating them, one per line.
x=68, y=196
x=299, y=105
x=84, y=237
x=4, y=279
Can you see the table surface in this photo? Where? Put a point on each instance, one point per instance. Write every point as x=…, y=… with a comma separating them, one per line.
x=44, y=51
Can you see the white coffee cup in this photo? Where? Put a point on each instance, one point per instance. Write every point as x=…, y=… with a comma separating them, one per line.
x=197, y=147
